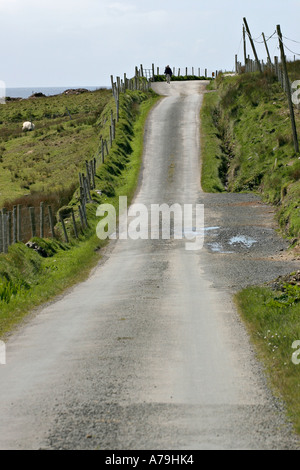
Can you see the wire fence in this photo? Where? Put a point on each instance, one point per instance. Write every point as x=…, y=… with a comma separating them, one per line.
x=278, y=67
x=21, y=224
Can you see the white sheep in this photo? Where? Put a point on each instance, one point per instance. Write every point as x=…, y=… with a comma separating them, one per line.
x=28, y=126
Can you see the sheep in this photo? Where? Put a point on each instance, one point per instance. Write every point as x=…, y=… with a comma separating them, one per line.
x=28, y=126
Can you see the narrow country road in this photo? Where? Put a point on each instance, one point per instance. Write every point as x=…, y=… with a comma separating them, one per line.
x=149, y=352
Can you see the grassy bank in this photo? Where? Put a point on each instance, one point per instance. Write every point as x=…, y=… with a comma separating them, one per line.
x=248, y=147
x=248, y=144
x=28, y=279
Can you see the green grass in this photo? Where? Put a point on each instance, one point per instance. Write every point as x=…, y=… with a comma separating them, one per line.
x=273, y=321
x=26, y=279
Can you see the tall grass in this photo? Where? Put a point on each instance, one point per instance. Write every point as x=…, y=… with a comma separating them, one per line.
x=10, y=289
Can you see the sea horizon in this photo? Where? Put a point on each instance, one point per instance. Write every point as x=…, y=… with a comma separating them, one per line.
x=25, y=92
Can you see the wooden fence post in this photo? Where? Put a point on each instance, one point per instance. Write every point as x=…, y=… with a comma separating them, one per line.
x=64, y=227
x=81, y=189
x=87, y=167
x=32, y=221
x=267, y=49
x=245, y=45
x=102, y=150
x=288, y=90
x=83, y=208
x=110, y=136
x=4, y=230
x=9, y=228
x=19, y=216
x=91, y=170
x=81, y=217
x=95, y=168
x=87, y=189
x=74, y=223
x=276, y=65
x=85, y=194
x=252, y=44
x=42, y=220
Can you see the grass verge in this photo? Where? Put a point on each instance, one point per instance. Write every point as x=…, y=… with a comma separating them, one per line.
x=272, y=317
x=26, y=279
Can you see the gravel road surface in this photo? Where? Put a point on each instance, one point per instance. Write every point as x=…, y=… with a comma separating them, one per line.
x=149, y=352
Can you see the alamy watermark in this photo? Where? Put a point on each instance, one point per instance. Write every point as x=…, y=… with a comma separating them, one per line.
x=2, y=92
x=296, y=355
x=2, y=353
x=160, y=221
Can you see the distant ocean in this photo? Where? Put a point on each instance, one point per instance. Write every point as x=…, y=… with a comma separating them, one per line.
x=48, y=91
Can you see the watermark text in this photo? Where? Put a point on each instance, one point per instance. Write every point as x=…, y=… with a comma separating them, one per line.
x=157, y=222
x=2, y=353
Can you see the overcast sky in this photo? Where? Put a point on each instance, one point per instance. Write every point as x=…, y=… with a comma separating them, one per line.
x=83, y=42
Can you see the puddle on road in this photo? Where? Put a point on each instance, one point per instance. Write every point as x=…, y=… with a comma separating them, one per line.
x=242, y=240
